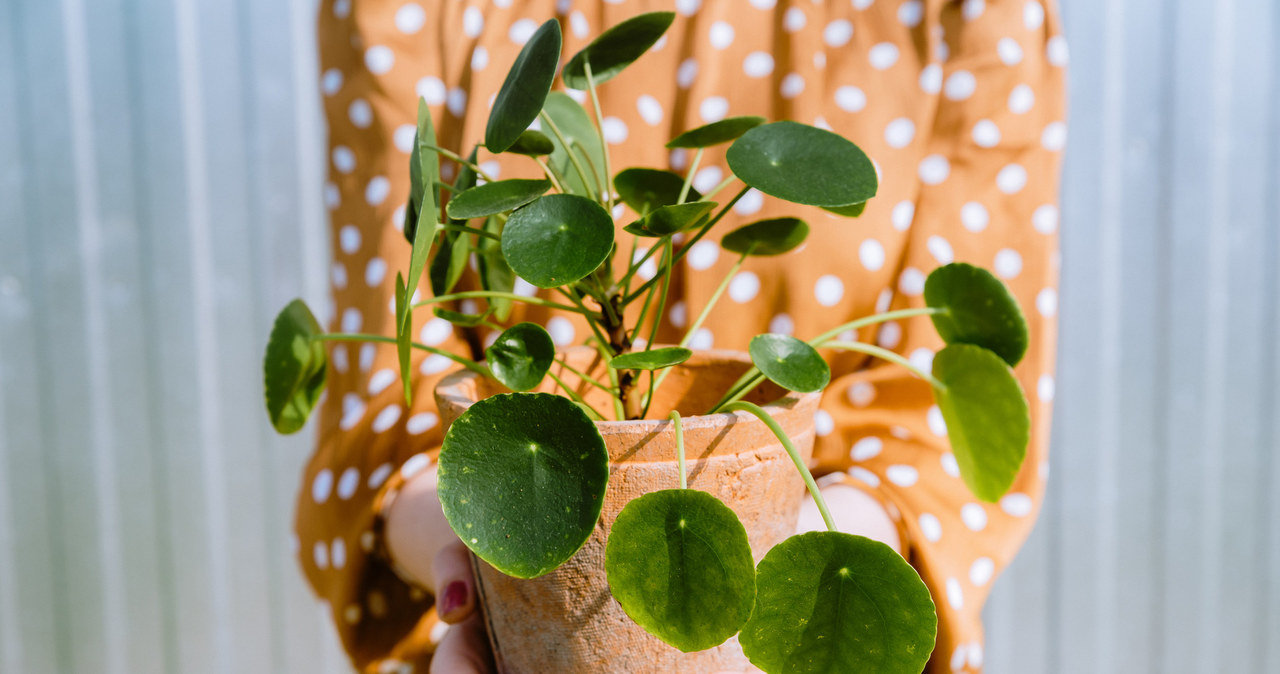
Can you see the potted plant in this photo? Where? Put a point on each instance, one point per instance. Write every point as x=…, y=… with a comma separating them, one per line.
x=599, y=544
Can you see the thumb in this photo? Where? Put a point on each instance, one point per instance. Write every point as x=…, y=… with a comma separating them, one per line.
x=455, y=586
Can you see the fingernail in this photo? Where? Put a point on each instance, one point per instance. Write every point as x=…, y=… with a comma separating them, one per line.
x=455, y=596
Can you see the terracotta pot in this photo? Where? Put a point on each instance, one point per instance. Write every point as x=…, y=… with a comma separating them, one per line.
x=567, y=621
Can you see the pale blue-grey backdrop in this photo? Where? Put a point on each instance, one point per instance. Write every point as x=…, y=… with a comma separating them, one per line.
x=161, y=165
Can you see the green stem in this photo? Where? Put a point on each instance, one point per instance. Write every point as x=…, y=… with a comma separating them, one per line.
x=715, y=297
x=688, y=177
x=595, y=170
x=583, y=376
x=635, y=267
x=354, y=337
x=795, y=455
x=591, y=320
x=723, y=184
x=751, y=379
x=501, y=295
x=553, y=175
x=456, y=157
x=604, y=143
x=820, y=340
x=879, y=352
x=602, y=345
x=684, y=249
x=662, y=304
x=675, y=419
x=573, y=156
x=573, y=395
x=470, y=230
x=706, y=310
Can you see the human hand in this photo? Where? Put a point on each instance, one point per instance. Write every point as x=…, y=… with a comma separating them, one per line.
x=427, y=551
x=417, y=532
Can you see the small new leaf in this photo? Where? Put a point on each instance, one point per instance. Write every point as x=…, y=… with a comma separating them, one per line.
x=521, y=356
x=293, y=367
x=789, y=362
x=653, y=359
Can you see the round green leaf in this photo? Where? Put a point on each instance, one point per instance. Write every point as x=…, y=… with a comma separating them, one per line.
x=521, y=356
x=522, y=480
x=671, y=219
x=496, y=197
x=988, y=422
x=532, y=144
x=522, y=94
x=616, y=49
x=716, y=133
x=803, y=164
x=766, y=237
x=557, y=240
x=835, y=602
x=583, y=141
x=980, y=310
x=679, y=563
x=293, y=367
x=646, y=190
x=653, y=359
x=789, y=362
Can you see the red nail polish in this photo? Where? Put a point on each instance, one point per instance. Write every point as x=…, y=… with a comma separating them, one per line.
x=455, y=596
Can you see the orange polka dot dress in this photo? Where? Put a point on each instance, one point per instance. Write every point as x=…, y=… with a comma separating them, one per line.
x=960, y=105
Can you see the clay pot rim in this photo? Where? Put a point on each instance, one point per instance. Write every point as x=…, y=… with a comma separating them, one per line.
x=453, y=388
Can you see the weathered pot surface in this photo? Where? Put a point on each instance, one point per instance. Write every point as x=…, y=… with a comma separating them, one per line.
x=567, y=621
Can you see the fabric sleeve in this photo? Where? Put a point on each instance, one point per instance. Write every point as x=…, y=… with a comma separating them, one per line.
x=988, y=195
x=369, y=440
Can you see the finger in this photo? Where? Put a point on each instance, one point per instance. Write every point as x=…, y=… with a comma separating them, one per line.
x=464, y=649
x=455, y=587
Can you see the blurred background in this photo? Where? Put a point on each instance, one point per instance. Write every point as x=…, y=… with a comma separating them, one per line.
x=161, y=168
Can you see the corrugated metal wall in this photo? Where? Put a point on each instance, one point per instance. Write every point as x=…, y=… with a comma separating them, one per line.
x=160, y=174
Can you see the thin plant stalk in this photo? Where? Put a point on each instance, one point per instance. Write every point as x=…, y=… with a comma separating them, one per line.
x=752, y=377
x=553, y=175
x=675, y=420
x=820, y=340
x=715, y=297
x=604, y=143
x=574, y=395
x=470, y=230
x=355, y=337
x=684, y=250
x=723, y=184
x=573, y=156
x=538, y=301
x=662, y=304
x=584, y=377
x=881, y=352
x=458, y=158
x=769, y=421
x=688, y=177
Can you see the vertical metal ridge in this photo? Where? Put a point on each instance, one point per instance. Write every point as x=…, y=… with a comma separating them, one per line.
x=1110, y=312
x=1268, y=617
x=11, y=651
x=311, y=155
x=1160, y=429
x=102, y=433
x=1216, y=322
x=203, y=306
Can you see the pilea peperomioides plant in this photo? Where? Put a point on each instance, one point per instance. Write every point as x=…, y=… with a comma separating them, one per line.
x=523, y=475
